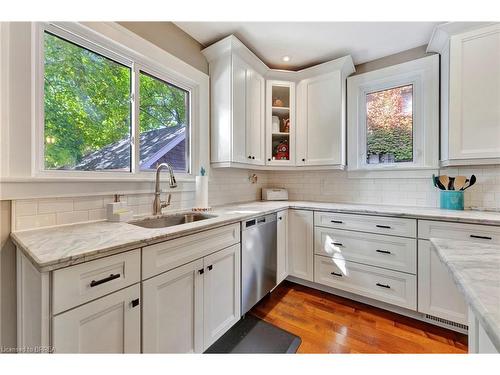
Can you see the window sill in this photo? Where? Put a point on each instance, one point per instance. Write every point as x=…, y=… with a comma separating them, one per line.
x=407, y=172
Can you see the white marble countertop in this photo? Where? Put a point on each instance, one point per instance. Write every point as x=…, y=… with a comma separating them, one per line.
x=57, y=247
x=476, y=270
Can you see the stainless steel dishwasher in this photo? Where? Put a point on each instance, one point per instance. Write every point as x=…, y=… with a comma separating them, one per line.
x=258, y=259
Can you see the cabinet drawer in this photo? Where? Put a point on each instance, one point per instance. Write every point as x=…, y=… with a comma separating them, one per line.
x=395, y=253
x=167, y=255
x=364, y=223
x=75, y=285
x=393, y=287
x=458, y=231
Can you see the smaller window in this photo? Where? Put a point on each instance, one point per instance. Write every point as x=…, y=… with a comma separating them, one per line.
x=389, y=126
x=163, y=124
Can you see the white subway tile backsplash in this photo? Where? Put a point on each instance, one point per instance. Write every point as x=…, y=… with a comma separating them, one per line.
x=35, y=221
x=26, y=207
x=88, y=203
x=72, y=217
x=46, y=206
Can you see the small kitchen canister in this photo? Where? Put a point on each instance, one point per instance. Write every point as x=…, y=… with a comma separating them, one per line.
x=201, y=192
x=451, y=199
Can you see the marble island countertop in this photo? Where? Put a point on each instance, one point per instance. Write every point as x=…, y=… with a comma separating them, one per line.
x=58, y=247
x=476, y=270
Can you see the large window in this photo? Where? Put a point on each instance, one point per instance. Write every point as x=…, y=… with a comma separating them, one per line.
x=393, y=119
x=87, y=109
x=89, y=121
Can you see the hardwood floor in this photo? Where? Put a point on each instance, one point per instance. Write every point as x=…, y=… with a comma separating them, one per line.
x=332, y=324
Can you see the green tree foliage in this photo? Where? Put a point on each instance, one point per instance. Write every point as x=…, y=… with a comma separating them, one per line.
x=87, y=103
x=389, y=123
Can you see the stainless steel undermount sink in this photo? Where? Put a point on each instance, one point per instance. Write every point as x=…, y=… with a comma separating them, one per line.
x=172, y=220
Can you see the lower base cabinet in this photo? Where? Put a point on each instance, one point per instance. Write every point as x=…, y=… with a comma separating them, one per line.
x=300, y=244
x=187, y=309
x=173, y=311
x=111, y=324
x=438, y=294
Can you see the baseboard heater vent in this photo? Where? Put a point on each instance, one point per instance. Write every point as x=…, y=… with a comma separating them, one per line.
x=446, y=322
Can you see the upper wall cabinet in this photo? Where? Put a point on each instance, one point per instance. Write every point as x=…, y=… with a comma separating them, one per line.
x=321, y=114
x=275, y=119
x=237, y=91
x=470, y=92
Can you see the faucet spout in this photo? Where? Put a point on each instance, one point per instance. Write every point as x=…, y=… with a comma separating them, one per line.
x=158, y=204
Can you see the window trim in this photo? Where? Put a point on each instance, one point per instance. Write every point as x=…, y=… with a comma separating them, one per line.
x=94, y=41
x=423, y=74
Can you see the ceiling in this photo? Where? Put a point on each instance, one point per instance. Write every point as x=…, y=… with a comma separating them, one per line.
x=310, y=43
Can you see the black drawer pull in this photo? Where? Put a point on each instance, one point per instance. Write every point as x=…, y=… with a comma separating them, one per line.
x=383, y=251
x=384, y=286
x=94, y=283
x=135, y=302
x=337, y=244
x=481, y=237
x=210, y=267
x=383, y=226
x=336, y=274
x=337, y=221
x=201, y=272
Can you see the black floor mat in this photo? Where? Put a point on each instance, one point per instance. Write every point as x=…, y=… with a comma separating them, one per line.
x=253, y=335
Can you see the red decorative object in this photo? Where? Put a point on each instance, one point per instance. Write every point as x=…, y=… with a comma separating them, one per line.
x=282, y=151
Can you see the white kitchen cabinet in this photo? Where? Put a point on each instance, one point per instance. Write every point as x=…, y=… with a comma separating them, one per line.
x=237, y=105
x=173, y=310
x=282, y=246
x=312, y=126
x=221, y=293
x=438, y=294
x=110, y=324
x=281, y=126
x=470, y=92
x=321, y=120
x=300, y=244
x=479, y=340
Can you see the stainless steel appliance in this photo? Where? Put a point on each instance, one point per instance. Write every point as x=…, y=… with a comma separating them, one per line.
x=258, y=259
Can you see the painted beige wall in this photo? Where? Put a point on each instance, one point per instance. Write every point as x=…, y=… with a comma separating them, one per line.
x=397, y=58
x=7, y=279
x=172, y=39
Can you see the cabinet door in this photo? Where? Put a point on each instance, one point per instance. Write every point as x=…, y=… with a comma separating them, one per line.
x=255, y=117
x=173, y=311
x=474, y=112
x=110, y=324
x=437, y=293
x=282, y=246
x=300, y=244
x=221, y=297
x=239, y=116
x=320, y=131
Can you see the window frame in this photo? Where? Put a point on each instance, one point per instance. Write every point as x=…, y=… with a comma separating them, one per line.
x=88, y=38
x=423, y=75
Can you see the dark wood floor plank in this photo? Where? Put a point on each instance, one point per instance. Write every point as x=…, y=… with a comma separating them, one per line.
x=331, y=324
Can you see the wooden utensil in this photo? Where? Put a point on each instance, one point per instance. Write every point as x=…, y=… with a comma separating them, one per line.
x=459, y=182
x=445, y=181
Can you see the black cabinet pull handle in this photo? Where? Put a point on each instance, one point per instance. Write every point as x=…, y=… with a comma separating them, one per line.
x=135, y=302
x=383, y=251
x=336, y=221
x=249, y=156
x=383, y=226
x=337, y=244
x=336, y=274
x=481, y=237
x=94, y=283
x=210, y=267
x=384, y=286
x=253, y=157
x=201, y=272
x=303, y=159
x=269, y=159
x=280, y=218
